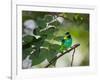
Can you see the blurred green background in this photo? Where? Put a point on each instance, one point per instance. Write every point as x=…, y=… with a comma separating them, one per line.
x=75, y=23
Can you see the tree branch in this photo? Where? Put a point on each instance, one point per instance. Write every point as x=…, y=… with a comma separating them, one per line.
x=72, y=57
x=57, y=57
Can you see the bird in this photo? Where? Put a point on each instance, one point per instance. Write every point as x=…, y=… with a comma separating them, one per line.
x=66, y=42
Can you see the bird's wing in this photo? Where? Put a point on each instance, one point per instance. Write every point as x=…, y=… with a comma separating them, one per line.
x=63, y=40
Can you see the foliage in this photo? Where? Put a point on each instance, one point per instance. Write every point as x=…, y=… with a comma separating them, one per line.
x=47, y=45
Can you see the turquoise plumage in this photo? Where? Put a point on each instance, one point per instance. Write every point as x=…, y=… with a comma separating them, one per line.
x=66, y=42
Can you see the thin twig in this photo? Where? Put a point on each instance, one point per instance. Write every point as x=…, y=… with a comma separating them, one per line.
x=72, y=57
x=57, y=57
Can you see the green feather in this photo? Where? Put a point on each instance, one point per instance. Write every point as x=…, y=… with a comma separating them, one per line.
x=66, y=43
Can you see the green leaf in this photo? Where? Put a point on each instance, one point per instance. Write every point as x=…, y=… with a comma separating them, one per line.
x=53, y=51
x=49, y=32
x=36, y=31
x=33, y=41
x=59, y=38
x=27, y=39
x=40, y=58
x=56, y=23
x=26, y=52
x=41, y=23
x=48, y=18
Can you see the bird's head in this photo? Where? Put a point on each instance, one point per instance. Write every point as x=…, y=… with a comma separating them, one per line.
x=67, y=35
